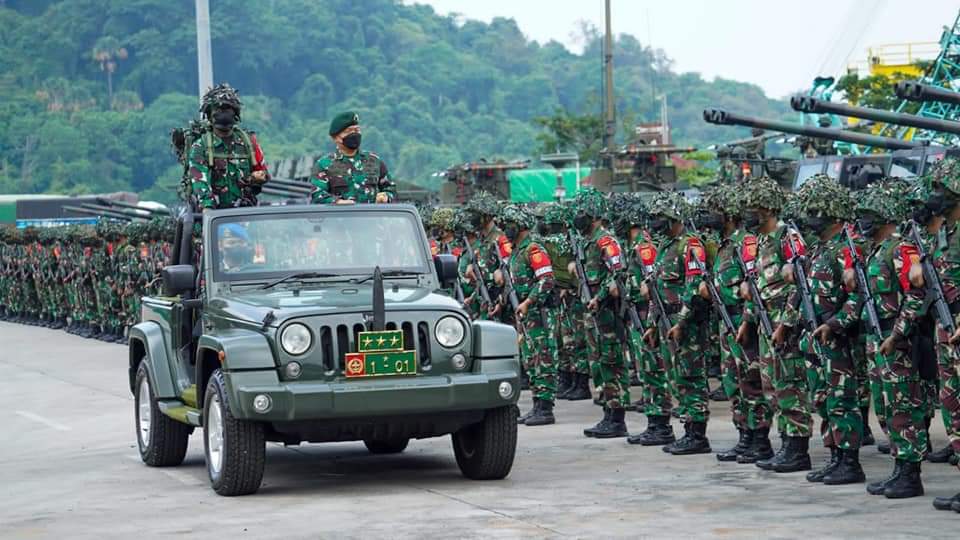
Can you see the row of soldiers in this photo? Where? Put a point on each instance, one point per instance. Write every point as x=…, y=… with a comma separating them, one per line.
x=824, y=304
x=86, y=279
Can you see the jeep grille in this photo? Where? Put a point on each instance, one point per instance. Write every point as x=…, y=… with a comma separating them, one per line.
x=337, y=341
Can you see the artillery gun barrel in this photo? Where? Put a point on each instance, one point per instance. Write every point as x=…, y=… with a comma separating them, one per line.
x=813, y=105
x=97, y=213
x=278, y=192
x=290, y=183
x=121, y=204
x=721, y=117
x=115, y=211
x=915, y=91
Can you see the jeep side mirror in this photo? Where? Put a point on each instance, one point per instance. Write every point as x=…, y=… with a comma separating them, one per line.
x=446, y=266
x=178, y=279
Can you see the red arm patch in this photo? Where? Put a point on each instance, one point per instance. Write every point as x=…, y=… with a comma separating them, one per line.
x=791, y=239
x=695, y=257
x=257, y=154
x=539, y=262
x=504, y=246
x=456, y=252
x=907, y=256
x=610, y=250
x=434, y=249
x=647, y=253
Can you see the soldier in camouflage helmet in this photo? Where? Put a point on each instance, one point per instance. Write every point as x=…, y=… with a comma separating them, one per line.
x=603, y=262
x=531, y=271
x=351, y=175
x=825, y=207
x=226, y=165
x=783, y=368
x=466, y=292
x=492, y=249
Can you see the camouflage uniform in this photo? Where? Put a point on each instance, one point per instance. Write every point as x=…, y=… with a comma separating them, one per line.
x=359, y=178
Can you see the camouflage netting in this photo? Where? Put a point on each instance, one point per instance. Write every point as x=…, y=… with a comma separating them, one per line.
x=222, y=95
x=670, y=204
x=885, y=199
x=762, y=192
x=591, y=202
x=484, y=204
x=946, y=173
x=823, y=196
x=442, y=218
x=519, y=215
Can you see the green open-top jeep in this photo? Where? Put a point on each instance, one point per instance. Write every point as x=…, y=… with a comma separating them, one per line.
x=315, y=324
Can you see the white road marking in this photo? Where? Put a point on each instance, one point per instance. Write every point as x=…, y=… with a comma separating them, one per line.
x=184, y=478
x=45, y=421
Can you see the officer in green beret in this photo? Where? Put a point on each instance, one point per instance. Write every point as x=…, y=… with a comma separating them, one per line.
x=351, y=175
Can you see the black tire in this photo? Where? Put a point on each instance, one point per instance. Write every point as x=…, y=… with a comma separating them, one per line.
x=167, y=439
x=243, y=446
x=389, y=446
x=485, y=450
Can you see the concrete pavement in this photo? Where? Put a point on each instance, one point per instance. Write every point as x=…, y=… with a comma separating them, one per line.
x=70, y=469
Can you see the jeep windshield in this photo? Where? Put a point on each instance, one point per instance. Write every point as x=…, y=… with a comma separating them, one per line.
x=318, y=245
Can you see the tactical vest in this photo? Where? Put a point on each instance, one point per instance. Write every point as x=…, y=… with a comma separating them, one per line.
x=339, y=169
x=212, y=156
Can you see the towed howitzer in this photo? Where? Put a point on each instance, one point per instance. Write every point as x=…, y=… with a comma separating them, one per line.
x=808, y=104
x=933, y=286
x=915, y=91
x=724, y=118
x=869, y=304
x=807, y=311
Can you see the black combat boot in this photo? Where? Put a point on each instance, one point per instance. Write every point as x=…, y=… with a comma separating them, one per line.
x=767, y=464
x=542, y=416
x=697, y=442
x=564, y=384
x=877, y=488
x=616, y=427
x=581, y=388
x=524, y=380
x=945, y=503
x=868, y=439
x=601, y=425
x=682, y=440
x=848, y=471
x=744, y=442
x=884, y=446
x=658, y=432
x=940, y=456
x=533, y=410
x=828, y=467
x=719, y=394
x=796, y=458
x=759, y=447
x=908, y=484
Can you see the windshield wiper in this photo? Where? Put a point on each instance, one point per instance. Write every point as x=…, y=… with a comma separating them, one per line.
x=391, y=274
x=297, y=275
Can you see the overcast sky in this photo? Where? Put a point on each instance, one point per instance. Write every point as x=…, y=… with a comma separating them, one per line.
x=767, y=42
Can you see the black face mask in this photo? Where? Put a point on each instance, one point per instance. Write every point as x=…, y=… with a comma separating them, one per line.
x=511, y=230
x=224, y=119
x=867, y=225
x=551, y=229
x=477, y=221
x=582, y=223
x=659, y=225
x=352, y=141
x=751, y=219
x=713, y=222
x=817, y=224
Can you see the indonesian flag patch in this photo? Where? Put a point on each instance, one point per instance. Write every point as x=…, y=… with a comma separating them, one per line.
x=539, y=262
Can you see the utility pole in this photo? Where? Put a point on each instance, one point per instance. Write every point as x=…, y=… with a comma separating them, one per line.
x=204, y=55
x=610, y=121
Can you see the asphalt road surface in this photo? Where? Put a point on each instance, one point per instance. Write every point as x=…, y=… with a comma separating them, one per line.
x=70, y=469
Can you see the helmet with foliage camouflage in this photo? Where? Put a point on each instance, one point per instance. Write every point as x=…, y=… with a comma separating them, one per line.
x=558, y=214
x=669, y=204
x=462, y=223
x=49, y=235
x=762, y=192
x=823, y=196
x=87, y=235
x=221, y=95
x=519, y=215
x=885, y=199
x=946, y=173
x=484, y=204
x=791, y=207
x=108, y=230
x=722, y=199
x=136, y=231
x=590, y=202
x=442, y=218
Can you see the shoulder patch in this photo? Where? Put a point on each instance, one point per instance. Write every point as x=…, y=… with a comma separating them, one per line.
x=504, y=247
x=610, y=251
x=790, y=241
x=905, y=258
x=695, y=257
x=539, y=261
x=647, y=253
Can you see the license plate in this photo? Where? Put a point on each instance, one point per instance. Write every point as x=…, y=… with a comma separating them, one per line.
x=380, y=364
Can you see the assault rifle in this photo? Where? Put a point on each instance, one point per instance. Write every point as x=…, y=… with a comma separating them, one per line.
x=477, y=275
x=869, y=305
x=807, y=311
x=511, y=294
x=712, y=287
x=586, y=296
x=933, y=286
x=657, y=308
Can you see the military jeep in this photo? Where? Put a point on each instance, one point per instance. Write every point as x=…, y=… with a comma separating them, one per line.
x=302, y=323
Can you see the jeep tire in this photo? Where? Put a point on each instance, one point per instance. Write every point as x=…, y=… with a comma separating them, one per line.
x=162, y=441
x=235, y=450
x=386, y=446
x=485, y=450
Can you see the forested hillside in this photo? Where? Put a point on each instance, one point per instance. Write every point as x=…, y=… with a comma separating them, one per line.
x=89, y=89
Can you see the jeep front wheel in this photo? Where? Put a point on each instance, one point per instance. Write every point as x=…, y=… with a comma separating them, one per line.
x=485, y=450
x=386, y=446
x=235, y=449
x=162, y=441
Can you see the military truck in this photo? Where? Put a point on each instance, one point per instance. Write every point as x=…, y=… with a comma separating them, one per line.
x=312, y=323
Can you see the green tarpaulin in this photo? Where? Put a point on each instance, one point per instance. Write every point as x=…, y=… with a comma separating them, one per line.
x=540, y=185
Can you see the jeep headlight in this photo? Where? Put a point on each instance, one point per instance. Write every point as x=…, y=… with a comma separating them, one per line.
x=449, y=332
x=296, y=339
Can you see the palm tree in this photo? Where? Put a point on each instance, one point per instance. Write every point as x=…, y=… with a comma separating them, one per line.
x=108, y=51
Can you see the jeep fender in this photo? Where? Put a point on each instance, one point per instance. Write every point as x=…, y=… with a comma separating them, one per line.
x=148, y=343
x=242, y=349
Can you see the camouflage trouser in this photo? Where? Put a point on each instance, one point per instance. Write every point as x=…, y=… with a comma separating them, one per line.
x=688, y=372
x=573, y=339
x=785, y=384
x=875, y=378
x=539, y=354
x=949, y=368
x=833, y=389
x=861, y=367
x=607, y=363
x=742, y=384
x=654, y=386
x=904, y=402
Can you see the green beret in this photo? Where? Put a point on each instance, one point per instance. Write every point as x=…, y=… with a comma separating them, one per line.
x=342, y=121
